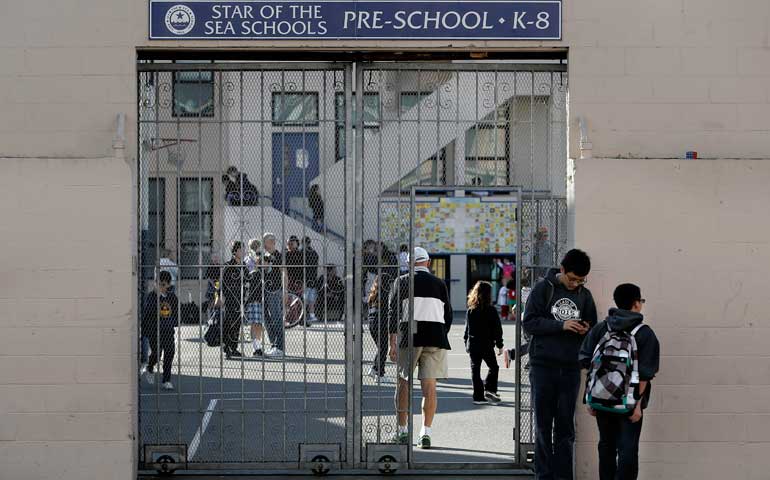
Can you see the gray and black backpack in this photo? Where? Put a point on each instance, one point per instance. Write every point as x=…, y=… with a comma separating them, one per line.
x=613, y=379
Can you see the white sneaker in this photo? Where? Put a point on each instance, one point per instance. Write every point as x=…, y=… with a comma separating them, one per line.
x=149, y=377
x=313, y=318
x=168, y=386
x=373, y=373
x=274, y=352
x=143, y=369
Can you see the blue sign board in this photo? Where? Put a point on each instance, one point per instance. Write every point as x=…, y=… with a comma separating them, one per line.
x=355, y=19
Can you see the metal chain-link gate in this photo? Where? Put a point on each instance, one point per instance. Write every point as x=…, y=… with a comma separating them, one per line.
x=271, y=202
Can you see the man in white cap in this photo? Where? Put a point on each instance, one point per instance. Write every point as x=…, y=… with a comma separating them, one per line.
x=431, y=322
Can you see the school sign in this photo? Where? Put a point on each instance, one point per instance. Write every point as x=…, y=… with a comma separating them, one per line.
x=362, y=19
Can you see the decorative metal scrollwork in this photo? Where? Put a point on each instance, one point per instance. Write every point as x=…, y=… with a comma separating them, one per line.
x=560, y=94
x=226, y=94
x=165, y=95
x=283, y=87
x=148, y=97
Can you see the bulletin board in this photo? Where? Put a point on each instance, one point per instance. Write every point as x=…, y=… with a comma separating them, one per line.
x=454, y=225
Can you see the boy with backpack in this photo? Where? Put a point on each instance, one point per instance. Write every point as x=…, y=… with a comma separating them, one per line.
x=559, y=312
x=622, y=356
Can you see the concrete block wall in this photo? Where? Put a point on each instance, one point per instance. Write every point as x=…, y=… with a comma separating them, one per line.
x=693, y=236
x=657, y=78
x=67, y=389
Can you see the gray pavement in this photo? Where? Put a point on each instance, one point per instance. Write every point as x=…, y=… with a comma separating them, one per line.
x=251, y=411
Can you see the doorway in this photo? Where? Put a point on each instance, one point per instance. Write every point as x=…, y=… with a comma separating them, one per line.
x=362, y=135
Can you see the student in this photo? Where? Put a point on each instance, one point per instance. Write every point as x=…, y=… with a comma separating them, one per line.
x=310, y=292
x=234, y=283
x=483, y=332
x=253, y=309
x=502, y=300
x=510, y=298
x=160, y=319
x=619, y=432
x=509, y=354
x=274, y=280
x=432, y=320
x=559, y=312
x=403, y=259
x=378, y=326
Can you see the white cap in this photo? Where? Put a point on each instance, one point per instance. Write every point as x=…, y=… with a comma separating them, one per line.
x=420, y=255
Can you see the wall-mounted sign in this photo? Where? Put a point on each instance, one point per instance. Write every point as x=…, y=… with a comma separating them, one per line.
x=351, y=19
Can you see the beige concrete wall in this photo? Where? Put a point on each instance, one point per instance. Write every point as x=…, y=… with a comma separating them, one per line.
x=694, y=236
x=659, y=77
x=67, y=389
x=653, y=79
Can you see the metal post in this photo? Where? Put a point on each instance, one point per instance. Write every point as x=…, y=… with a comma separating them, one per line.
x=359, y=239
x=350, y=220
x=410, y=332
x=517, y=358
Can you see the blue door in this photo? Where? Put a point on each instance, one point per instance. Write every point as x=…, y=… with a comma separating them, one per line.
x=295, y=164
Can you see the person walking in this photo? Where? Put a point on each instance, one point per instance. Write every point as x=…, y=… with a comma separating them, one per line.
x=317, y=206
x=618, y=415
x=559, y=312
x=429, y=327
x=483, y=332
x=378, y=327
x=274, y=277
x=158, y=323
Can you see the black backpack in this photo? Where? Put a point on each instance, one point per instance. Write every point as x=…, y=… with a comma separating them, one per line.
x=213, y=335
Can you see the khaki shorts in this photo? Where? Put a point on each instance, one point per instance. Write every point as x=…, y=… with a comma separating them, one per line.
x=432, y=362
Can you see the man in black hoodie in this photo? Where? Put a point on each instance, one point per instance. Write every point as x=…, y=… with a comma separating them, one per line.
x=559, y=312
x=619, y=434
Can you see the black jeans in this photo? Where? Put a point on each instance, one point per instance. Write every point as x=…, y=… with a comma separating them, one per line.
x=554, y=395
x=618, y=446
x=380, y=335
x=163, y=344
x=490, y=383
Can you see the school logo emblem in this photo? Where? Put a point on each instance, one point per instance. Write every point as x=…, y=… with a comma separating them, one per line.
x=565, y=309
x=180, y=20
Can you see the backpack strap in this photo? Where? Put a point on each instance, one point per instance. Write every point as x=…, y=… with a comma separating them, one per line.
x=636, y=329
x=551, y=289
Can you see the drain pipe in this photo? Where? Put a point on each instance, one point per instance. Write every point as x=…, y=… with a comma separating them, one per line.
x=119, y=141
x=586, y=152
x=586, y=147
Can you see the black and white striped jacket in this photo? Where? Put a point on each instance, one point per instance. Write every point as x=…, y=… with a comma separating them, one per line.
x=433, y=313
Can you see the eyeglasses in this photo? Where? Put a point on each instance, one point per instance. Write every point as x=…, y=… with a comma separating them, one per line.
x=642, y=301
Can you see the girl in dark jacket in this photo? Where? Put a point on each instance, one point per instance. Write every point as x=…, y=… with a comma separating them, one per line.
x=377, y=318
x=483, y=331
